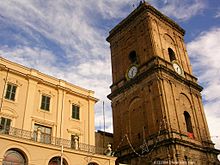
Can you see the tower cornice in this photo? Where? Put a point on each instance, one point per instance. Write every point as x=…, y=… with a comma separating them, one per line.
x=156, y=67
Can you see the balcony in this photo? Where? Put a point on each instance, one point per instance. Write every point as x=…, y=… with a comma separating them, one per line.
x=49, y=140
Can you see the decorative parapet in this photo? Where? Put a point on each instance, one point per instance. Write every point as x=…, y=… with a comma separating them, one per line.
x=46, y=139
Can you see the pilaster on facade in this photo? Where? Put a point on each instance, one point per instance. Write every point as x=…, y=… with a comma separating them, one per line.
x=29, y=107
x=61, y=99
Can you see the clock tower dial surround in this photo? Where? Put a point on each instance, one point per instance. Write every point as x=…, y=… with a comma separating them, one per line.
x=157, y=106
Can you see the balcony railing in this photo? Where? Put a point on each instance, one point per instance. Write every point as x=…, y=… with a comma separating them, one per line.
x=49, y=140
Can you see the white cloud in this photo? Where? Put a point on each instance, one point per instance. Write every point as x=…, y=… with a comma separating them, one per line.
x=114, y=8
x=63, y=22
x=217, y=14
x=182, y=10
x=71, y=24
x=205, y=54
x=30, y=57
x=205, y=51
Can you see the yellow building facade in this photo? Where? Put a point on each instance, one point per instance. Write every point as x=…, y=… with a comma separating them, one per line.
x=45, y=120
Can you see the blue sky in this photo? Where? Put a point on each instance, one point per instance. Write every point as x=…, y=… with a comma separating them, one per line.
x=66, y=39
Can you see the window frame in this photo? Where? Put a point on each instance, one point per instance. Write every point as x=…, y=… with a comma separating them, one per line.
x=45, y=105
x=10, y=94
x=188, y=122
x=56, y=160
x=21, y=157
x=6, y=125
x=172, y=55
x=75, y=112
x=133, y=58
x=44, y=136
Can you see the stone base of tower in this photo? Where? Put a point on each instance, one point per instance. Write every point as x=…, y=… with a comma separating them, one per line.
x=171, y=151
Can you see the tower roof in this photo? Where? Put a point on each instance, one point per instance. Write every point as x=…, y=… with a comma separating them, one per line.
x=144, y=7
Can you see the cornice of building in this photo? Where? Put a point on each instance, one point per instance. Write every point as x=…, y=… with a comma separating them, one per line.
x=103, y=133
x=41, y=78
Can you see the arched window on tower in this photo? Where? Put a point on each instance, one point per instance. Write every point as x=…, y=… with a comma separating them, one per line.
x=133, y=57
x=171, y=54
x=188, y=122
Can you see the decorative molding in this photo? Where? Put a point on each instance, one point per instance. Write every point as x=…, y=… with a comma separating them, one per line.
x=46, y=92
x=42, y=121
x=74, y=131
x=8, y=112
x=13, y=81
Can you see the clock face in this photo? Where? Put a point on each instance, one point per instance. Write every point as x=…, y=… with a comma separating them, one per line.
x=177, y=68
x=132, y=72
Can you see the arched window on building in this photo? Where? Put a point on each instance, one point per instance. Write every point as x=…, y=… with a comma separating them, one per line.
x=133, y=57
x=188, y=122
x=93, y=163
x=14, y=157
x=171, y=54
x=57, y=161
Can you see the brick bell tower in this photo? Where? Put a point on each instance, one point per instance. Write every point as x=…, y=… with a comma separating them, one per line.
x=158, y=114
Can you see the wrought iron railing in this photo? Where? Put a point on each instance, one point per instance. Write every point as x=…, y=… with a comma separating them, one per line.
x=49, y=140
